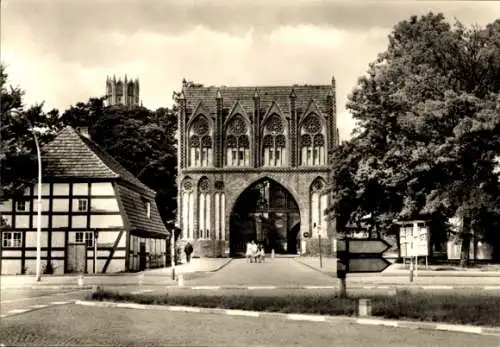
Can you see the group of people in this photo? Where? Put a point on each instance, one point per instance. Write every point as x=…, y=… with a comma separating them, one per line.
x=255, y=252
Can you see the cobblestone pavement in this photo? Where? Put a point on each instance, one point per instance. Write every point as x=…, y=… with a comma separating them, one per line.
x=72, y=325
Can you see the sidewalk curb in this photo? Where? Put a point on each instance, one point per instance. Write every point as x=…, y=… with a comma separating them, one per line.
x=178, y=269
x=300, y=317
x=50, y=286
x=297, y=259
x=330, y=287
x=401, y=273
x=220, y=267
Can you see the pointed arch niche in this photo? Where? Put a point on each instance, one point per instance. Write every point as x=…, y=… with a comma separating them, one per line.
x=204, y=209
x=319, y=201
x=274, y=142
x=220, y=207
x=237, y=142
x=187, y=208
x=312, y=141
x=199, y=143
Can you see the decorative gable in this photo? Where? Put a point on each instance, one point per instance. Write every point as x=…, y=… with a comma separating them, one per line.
x=312, y=107
x=236, y=110
x=201, y=109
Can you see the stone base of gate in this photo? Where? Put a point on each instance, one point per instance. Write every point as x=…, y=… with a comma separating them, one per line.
x=312, y=247
x=210, y=248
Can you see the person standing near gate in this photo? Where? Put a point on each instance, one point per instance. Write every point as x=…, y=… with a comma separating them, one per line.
x=188, y=249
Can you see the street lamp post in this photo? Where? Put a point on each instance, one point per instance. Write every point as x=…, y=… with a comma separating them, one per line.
x=39, y=206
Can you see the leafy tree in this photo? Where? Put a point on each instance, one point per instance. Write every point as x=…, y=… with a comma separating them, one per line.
x=18, y=159
x=428, y=128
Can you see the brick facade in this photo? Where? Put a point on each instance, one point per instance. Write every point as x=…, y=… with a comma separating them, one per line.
x=254, y=106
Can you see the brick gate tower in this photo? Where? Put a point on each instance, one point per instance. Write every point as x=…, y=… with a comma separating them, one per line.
x=253, y=165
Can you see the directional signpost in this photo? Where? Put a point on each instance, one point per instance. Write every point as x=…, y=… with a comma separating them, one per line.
x=358, y=256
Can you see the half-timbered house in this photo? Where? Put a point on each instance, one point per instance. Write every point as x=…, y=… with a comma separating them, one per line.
x=89, y=202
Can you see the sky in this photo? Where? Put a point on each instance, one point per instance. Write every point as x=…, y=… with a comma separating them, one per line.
x=60, y=51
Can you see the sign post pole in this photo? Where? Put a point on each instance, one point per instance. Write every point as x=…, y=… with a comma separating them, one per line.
x=172, y=253
x=359, y=256
x=320, y=254
x=342, y=250
x=96, y=235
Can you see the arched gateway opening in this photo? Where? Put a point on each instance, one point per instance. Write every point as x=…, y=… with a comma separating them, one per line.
x=267, y=213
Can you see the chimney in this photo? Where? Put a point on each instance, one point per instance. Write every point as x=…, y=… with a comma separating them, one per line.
x=83, y=131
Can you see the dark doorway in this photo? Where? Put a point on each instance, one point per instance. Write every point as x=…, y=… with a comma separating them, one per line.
x=142, y=256
x=268, y=214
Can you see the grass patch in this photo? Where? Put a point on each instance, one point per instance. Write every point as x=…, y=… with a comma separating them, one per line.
x=483, y=310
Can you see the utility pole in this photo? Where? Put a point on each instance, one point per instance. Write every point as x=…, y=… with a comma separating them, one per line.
x=39, y=207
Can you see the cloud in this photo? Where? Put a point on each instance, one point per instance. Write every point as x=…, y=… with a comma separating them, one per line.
x=60, y=51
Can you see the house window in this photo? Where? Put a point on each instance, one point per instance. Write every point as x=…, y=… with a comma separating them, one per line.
x=21, y=205
x=12, y=239
x=83, y=205
x=87, y=237
x=148, y=209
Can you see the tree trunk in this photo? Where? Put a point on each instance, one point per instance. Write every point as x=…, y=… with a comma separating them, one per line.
x=466, y=238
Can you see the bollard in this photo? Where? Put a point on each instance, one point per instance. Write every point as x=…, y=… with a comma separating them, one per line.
x=393, y=291
x=272, y=253
x=80, y=281
x=365, y=308
x=180, y=280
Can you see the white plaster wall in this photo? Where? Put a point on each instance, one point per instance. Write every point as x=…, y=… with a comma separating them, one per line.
x=79, y=221
x=104, y=205
x=11, y=267
x=60, y=189
x=57, y=239
x=6, y=206
x=45, y=205
x=31, y=239
x=60, y=221
x=60, y=205
x=44, y=219
x=80, y=189
x=102, y=188
x=106, y=221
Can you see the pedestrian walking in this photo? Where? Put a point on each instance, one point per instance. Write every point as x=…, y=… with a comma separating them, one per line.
x=261, y=255
x=188, y=249
x=248, y=252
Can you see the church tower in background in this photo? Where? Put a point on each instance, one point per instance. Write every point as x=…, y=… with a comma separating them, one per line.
x=122, y=92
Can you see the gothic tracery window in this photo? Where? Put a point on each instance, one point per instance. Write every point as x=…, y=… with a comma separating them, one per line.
x=274, y=142
x=237, y=143
x=200, y=143
x=312, y=142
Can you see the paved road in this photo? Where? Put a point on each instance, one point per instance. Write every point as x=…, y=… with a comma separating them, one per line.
x=70, y=325
x=16, y=300
x=289, y=272
x=277, y=271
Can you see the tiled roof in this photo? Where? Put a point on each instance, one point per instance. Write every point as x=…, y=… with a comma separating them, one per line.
x=267, y=94
x=71, y=155
x=135, y=210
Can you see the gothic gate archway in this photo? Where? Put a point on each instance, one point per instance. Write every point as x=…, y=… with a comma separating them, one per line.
x=267, y=213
